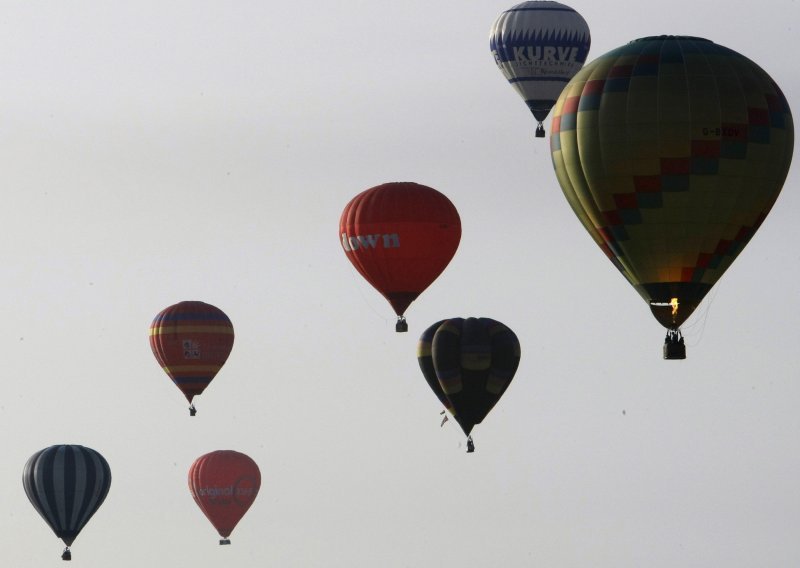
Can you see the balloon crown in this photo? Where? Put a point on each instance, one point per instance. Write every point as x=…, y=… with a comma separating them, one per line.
x=672, y=37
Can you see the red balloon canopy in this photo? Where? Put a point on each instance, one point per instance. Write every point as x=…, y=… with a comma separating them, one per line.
x=400, y=236
x=191, y=341
x=224, y=484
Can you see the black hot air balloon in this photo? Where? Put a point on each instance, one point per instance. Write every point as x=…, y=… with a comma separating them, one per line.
x=66, y=484
x=468, y=364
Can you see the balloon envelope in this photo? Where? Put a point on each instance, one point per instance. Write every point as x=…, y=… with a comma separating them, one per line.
x=468, y=363
x=224, y=485
x=400, y=236
x=671, y=151
x=66, y=484
x=539, y=46
x=191, y=341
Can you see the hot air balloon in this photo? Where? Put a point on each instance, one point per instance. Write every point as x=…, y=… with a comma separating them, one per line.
x=539, y=46
x=66, y=484
x=468, y=363
x=671, y=151
x=191, y=341
x=400, y=236
x=224, y=484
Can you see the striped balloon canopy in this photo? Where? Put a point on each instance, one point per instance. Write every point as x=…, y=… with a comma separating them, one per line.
x=671, y=151
x=539, y=46
x=469, y=364
x=191, y=341
x=66, y=484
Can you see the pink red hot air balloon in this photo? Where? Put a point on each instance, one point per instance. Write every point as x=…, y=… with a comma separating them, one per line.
x=224, y=485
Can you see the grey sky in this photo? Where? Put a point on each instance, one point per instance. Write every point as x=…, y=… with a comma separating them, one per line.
x=155, y=152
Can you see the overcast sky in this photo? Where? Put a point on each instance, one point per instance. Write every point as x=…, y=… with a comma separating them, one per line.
x=153, y=152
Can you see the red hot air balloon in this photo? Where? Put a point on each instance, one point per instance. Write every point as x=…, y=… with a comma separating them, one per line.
x=400, y=236
x=224, y=484
x=191, y=341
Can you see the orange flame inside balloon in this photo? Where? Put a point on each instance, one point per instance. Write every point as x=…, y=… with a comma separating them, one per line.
x=674, y=303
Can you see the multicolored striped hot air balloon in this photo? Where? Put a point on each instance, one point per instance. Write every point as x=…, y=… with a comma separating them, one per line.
x=671, y=151
x=400, y=236
x=469, y=364
x=224, y=485
x=539, y=46
x=66, y=484
x=191, y=341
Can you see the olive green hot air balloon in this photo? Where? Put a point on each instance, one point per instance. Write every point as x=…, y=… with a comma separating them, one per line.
x=671, y=151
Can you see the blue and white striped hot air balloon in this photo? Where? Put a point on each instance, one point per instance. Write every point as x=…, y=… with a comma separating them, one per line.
x=539, y=46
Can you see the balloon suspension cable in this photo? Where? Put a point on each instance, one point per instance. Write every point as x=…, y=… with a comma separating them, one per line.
x=401, y=325
x=470, y=445
x=66, y=555
x=224, y=541
x=192, y=410
x=674, y=346
x=540, y=131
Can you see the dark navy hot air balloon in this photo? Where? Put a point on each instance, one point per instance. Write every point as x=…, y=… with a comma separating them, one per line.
x=66, y=484
x=468, y=363
x=539, y=46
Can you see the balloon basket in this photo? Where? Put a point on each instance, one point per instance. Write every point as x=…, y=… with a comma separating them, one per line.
x=540, y=131
x=192, y=410
x=674, y=347
x=401, y=326
x=224, y=541
x=67, y=554
x=470, y=445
